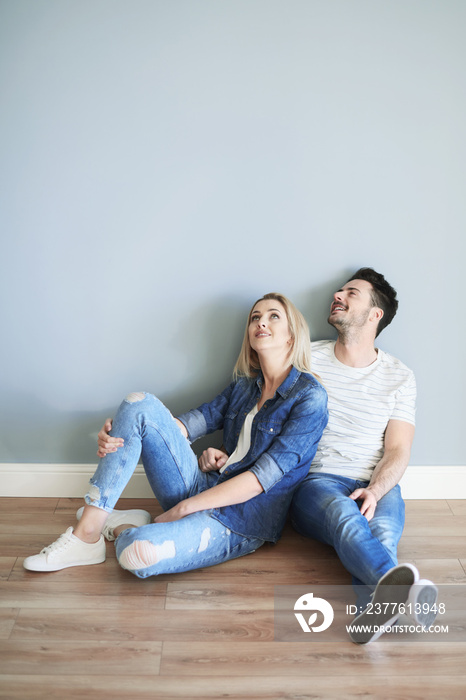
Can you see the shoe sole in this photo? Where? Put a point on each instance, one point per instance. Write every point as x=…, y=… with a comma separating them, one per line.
x=424, y=594
x=99, y=560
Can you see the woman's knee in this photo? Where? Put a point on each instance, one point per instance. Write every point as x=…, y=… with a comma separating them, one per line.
x=137, y=403
x=141, y=553
x=135, y=396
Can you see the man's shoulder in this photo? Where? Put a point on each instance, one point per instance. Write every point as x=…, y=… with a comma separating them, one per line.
x=323, y=347
x=390, y=362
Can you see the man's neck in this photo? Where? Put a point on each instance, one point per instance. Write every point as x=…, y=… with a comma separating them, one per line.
x=355, y=353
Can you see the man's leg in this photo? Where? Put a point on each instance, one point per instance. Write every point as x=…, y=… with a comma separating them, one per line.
x=322, y=509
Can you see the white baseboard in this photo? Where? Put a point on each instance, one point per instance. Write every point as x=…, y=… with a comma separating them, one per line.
x=71, y=481
x=61, y=481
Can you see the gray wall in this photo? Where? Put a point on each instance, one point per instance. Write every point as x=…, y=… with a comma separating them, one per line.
x=164, y=163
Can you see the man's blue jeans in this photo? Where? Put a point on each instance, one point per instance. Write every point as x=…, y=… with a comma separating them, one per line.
x=322, y=510
x=149, y=430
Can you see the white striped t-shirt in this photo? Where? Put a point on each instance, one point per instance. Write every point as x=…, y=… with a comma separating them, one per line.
x=361, y=401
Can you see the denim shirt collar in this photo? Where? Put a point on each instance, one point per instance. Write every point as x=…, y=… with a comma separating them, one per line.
x=286, y=386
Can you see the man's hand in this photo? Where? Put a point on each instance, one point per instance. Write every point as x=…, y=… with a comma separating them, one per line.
x=369, y=502
x=211, y=460
x=106, y=443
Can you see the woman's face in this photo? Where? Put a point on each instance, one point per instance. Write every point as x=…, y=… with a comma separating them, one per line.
x=268, y=327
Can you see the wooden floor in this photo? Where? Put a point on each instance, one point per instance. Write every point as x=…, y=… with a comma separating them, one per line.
x=98, y=632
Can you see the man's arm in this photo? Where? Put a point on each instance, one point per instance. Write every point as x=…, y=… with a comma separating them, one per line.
x=388, y=472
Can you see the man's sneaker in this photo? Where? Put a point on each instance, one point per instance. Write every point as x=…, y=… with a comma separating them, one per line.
x=67, y=551
x=135, y=517
x=422, y=603
x=388, y=601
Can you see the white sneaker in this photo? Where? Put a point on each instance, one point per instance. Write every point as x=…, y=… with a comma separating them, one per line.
x=388, y=601
x=135, y=517
x=67, y=551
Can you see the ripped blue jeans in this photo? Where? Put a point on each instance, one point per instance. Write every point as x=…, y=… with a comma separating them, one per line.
x=199, y=540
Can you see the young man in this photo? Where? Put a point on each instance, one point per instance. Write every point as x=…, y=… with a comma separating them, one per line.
x=351, y=498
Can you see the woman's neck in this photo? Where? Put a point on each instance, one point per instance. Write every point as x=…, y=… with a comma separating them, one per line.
x=274, y=375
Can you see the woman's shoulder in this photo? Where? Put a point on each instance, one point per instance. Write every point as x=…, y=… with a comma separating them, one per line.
x=310, y=385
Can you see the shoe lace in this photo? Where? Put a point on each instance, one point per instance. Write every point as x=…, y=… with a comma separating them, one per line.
x=59, y=545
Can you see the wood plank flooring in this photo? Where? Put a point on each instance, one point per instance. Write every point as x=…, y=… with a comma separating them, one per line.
x=98, y=632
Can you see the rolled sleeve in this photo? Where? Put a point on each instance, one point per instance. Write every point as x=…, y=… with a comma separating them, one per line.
x=195, y=424
x=267, y=471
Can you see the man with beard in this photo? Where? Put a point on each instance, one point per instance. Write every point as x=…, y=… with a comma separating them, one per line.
x=351, y=498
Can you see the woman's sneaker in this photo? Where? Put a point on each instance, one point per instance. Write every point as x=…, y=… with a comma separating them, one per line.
x=67, y=551
x=134, y=517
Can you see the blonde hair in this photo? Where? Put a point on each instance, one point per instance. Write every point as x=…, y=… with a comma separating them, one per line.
x=299, y=355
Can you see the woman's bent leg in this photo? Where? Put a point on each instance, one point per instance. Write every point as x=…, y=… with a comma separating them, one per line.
x=193, y=542
x=148, y=428
x=171, y=466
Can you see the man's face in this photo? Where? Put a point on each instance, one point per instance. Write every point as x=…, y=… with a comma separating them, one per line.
x=351, y=306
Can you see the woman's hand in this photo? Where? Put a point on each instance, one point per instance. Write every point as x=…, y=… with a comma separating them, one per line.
x=106, y=443
x=238, y=489
x=175, y=513
x=211, y=460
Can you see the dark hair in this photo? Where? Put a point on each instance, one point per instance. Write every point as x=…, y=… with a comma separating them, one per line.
x=383, y=294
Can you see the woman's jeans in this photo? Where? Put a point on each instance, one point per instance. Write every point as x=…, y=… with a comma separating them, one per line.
x=198, y=540
x=322, y=509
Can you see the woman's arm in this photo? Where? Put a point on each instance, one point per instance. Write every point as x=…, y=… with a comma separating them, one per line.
x=208, y=417
x=182, y=427
x=238, y=489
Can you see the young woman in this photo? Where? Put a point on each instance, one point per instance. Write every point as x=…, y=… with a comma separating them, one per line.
x=229, y=504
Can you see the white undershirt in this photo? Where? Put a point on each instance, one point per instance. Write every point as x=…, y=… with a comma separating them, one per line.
x=244, y=441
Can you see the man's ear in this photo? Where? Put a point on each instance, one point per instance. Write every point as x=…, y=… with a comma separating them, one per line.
x=376, y=314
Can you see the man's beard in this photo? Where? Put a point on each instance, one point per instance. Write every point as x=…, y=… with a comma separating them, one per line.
x=349, y=327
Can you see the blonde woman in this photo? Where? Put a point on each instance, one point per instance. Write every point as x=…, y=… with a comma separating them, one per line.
x=232, y=501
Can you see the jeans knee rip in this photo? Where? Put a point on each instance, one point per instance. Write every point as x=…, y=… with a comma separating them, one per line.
x=141, y=553
x=135, y=396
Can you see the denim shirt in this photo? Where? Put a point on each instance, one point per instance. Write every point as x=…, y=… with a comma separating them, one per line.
x=284, y=438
